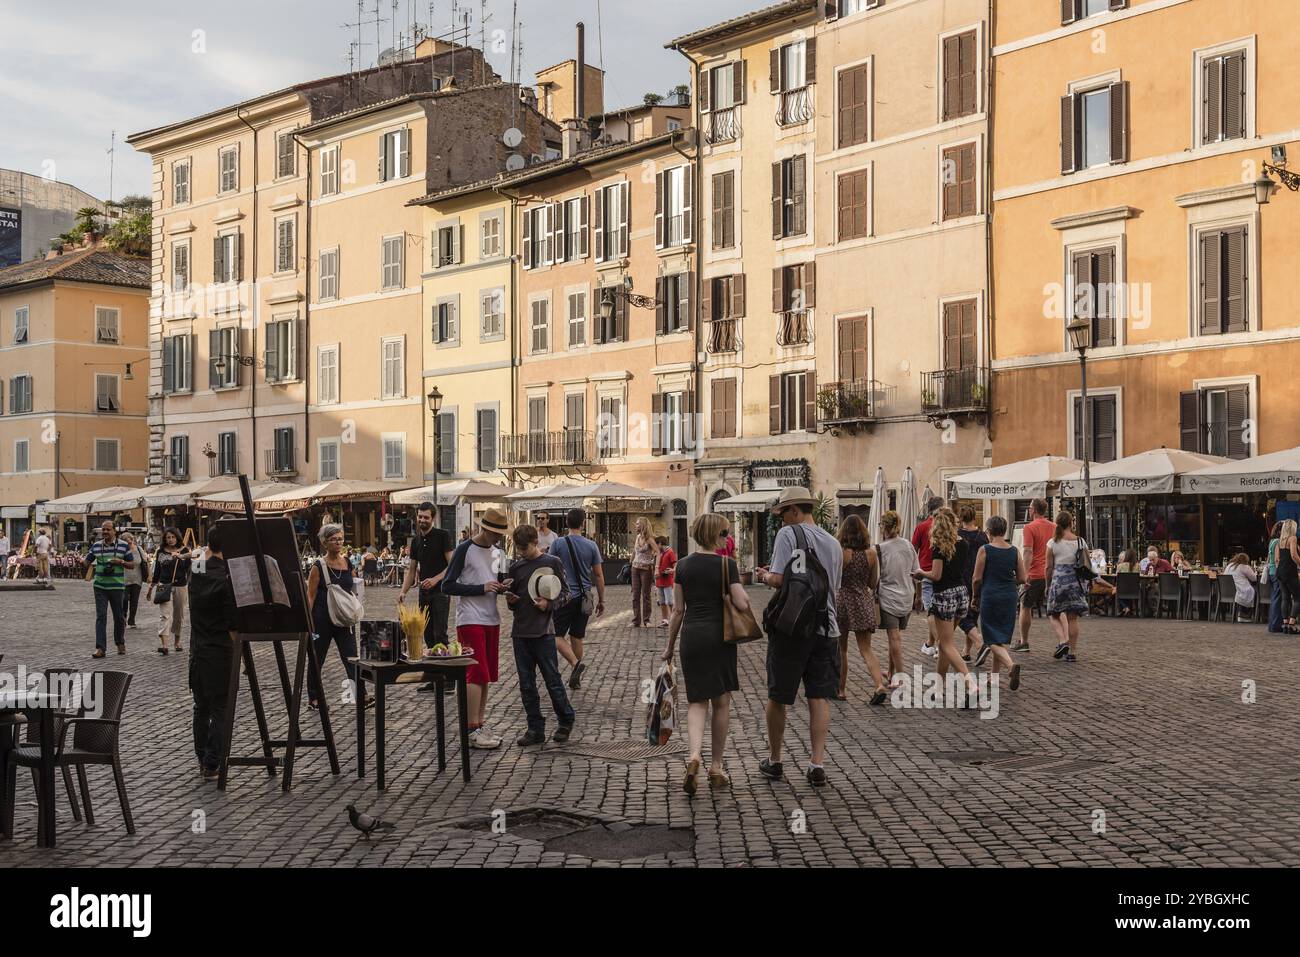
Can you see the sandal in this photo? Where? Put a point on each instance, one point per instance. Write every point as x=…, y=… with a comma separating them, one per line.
x=879, y=698
x=690, y=782
x=178, y=647
x=314, y=705
x=719, y=781
x=162, y=651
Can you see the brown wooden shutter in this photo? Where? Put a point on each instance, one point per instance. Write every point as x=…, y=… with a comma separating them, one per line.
x=1234, y=96
x=1104, y=433
x=1067, y=11
x=718, y=204
x=1103, y=297
x=1238, y=421
x=1235, y=288
x=852, y=112
x=968, y=71
x=1078, y=429
x=810, y=401
x=1081, y=276
x=810, y=285
x=625, y=219
x=951, y=77
x=774, y=405
x=661, y=305
x=620, y=313
x=952, y=335
x=852, y=342
x=969, y=359
x=1211, y=100
x=778, y=202
x=717, y=413
x=1191, y=426
x=1119, y=122
x=845, y=342
x=966, y=179
x=738, y=295
x=706, y=300
x=810, y=61
x=583, y=217
x=1211, y=283
x=660, y=238
x=738, y=82
x=1068, y=104
x=774, y=63
x=656, y=423
x=798, y=196
x=705, y=91
x=778, y=290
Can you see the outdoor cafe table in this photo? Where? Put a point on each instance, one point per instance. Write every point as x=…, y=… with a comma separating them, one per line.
x=45, y=706
x=384, y=673
x=1151, y=583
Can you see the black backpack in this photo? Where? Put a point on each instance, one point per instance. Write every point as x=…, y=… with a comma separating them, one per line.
x=800, y=606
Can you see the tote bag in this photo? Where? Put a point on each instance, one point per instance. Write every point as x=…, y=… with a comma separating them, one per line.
x=345, y=608
x=738, y=627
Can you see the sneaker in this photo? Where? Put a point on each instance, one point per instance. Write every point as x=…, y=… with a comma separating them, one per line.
x=931, y=650
x=99, y=653
x=210, y=774
x=1070, y=659
x=983, y=655
x=562, y=733
x=530, y=738
x=772, y=770
x=817, y=777
x=483, y=739
x=1020, y=646
x=1015, y=678
x=575, y=679
x=1061, y=651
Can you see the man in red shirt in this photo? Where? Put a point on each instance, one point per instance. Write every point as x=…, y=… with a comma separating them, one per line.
x=925, y=556
x=1038, y=535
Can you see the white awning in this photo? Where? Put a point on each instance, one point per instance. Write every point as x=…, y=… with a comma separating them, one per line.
x=1275, y=472
x=185, y=493
x=82, y=503
x=1147, y=473
x=1027, y=479
x=451, y=493
x=761, y=501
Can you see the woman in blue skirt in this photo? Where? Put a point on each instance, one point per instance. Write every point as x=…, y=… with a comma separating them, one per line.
x=999, y=573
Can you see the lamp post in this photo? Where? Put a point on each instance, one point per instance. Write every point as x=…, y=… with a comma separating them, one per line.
x=435, y=406
x=1080, y=331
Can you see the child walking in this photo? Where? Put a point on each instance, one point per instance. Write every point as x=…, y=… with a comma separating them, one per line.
x=665, y=570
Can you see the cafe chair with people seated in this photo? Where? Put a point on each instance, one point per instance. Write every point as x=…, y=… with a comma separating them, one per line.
x=93, y=741
x=1129, y=593
x=1169, y=589
x=1200, y=591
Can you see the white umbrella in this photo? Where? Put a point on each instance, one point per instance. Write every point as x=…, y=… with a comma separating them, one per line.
x=1027, y=479
x=1147, y=473
x=1275, y=472
x=877, y=506
x=450, y=493
x=907, y=503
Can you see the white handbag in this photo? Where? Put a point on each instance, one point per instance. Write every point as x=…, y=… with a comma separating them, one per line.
x=346, y=608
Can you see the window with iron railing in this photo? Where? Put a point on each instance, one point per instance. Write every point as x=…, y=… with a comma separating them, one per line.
x=796, y=106
x=724, y=125
x=794, y=328
x=724, y=336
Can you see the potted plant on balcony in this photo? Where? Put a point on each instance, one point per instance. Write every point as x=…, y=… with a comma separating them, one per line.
x=927, y=398
x=978, y=393
x=828, y=403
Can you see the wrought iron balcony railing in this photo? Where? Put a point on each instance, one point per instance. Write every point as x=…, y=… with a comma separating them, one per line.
x=955, y=390
x=796, y=107
x=852, y=401
x=723, y=336
x=281, y=463
x=794, y=328
x=224, y=464
x=723, y=126
x=563, y=447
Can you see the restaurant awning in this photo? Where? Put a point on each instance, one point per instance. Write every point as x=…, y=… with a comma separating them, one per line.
x=1027, y=479
x=173, y=494
x=451, y=493
x=1275, y=472
x=83, y=503
x=284, y=497
x=1147, y=473
x=533, y=499
x=605, y=496
x=761, y=501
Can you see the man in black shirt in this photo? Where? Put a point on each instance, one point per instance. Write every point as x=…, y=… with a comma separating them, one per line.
x=430, y=556
x=213, y=618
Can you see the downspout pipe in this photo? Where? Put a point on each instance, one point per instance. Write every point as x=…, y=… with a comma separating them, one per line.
x=305, y=364
x=256, y=304
x=514, y=323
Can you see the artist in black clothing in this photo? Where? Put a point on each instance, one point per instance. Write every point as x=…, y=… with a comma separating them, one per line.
x=430, y=556
x=212, y=620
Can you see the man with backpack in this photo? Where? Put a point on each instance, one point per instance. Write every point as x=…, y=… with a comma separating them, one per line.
x=802, y=631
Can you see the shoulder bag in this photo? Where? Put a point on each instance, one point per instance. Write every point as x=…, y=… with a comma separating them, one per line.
x=163, y=593
x=738, y=627
x=345, y=608
x=584, y=593
x=1083, y=566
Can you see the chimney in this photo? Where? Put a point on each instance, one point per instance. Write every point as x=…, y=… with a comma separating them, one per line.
x=581, y=73
x=572, y=138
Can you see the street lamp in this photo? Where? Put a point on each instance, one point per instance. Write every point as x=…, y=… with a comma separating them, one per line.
x=435, y=406
x=1080, y=331
x=1264, y=185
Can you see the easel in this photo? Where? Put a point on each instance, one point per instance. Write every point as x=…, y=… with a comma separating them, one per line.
x=22, y=551
x=277, y=624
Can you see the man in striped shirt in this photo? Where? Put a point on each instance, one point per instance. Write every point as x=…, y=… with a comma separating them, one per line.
x=108, y=560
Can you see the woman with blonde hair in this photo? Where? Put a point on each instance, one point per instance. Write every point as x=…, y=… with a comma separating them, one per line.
x=951, y=598
x=1288, y=572
x=708, y=660
x=855, y=603
x=643, y=573
x=1066, y=598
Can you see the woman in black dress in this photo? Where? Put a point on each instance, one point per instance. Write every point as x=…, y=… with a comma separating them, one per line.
x=708, y=662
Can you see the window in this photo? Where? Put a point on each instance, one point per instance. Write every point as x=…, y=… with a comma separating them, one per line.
x=721, y=92
x=285, y=233
x=107, y=455
x=960, y=75
x=282, y=340
x=959, y=182
x=1072, y=10
x=1216, y=420
x=852, y=343
x=575, y=426
x=22, y=455
x=671, y=426
x=395, y=155
x=329, y=274
x=283, y=460
x=723, y=304
x=446, y=246
x=446, y=323
x=674, y=188
x=1094, y=127
x=724, y=210
x=286, y=159
x=446, y=426
x=228, y=163
x=612, y=221
x=180, y=182
x=792, y=402
x=178, y=364
x=540, y=326
x=227, y=460
x=107, y=400
x=327, y=375
x=178, y=461
x=793, y=69
x=722, y=406
x=846, y=8
x=394, y=271
x=575, y=229
x=329, y=170
x=960, y=344
x=611, y=320
x=673, y=295
x=1102, y=446
x=1224, y=288
x=328, y=459
x=794, y=292
x=20, y=394
x=1093, y=277
x=851, y=205
x=21, y=330
x=609, y=429
x=394, y=457
x=486, y=439
x=181, y=266
x=106, y=324
x=393, y=371
x=228, y=257
x=493, y=306
x=789, y=198
x=490, y=236
x=577, y=319
x=1223, y=79
x=537, y=237
x=223, y=358
x=852, y=114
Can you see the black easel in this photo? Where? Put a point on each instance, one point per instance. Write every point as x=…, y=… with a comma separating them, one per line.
x=275, y=623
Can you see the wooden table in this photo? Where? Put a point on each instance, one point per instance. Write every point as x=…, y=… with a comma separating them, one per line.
x=384, y=673
x=45, y=706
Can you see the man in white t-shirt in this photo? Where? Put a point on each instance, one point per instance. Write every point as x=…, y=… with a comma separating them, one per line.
x=476, y=576
x=545, y=536
x=43, y=544
x=4, y=545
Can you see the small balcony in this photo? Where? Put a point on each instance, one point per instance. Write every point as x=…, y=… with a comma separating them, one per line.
x=723, y=126
x=227, y=464
x=548, y=449
x=794, y=328
x=723, y=336
x=953, y=391
x=281, y=462
x=796, y=106
x=852, y=402
x=176, y=468
x=674, y=230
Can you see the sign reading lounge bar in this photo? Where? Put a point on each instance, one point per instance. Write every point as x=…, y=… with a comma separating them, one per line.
x=1000, y=489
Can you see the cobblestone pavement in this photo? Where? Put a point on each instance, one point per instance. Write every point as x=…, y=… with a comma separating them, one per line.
x=1146, y=739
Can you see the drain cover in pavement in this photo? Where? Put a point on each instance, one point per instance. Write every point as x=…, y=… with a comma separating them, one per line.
x=620, y=750
x=573, y=833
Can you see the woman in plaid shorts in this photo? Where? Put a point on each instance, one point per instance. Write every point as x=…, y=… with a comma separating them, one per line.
x=951, y=597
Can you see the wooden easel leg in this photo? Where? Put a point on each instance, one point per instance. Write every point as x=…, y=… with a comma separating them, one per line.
x=255, y=692
x=232, y=705
x=283, y=668
x=361, y=726
x=379, y=733
x=292, y=702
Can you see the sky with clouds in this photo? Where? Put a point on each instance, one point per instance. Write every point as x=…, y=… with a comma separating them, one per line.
x=77, y=70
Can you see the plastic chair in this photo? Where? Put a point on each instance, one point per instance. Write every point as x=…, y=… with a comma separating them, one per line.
x=1128, y=588
x=1169, y=588
x=1200, y=591
x=1225, y=597
x=1263, y=598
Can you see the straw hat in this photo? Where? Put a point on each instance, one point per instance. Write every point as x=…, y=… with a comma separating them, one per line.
x=794, y=495
x=543, y=584
x=494, y=520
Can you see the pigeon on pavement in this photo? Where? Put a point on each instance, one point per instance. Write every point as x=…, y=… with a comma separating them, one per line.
x=366, y=824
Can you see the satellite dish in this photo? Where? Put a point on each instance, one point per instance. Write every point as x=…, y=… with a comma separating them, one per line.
x=515, y=163
x=512, y=138
x=388, y=56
